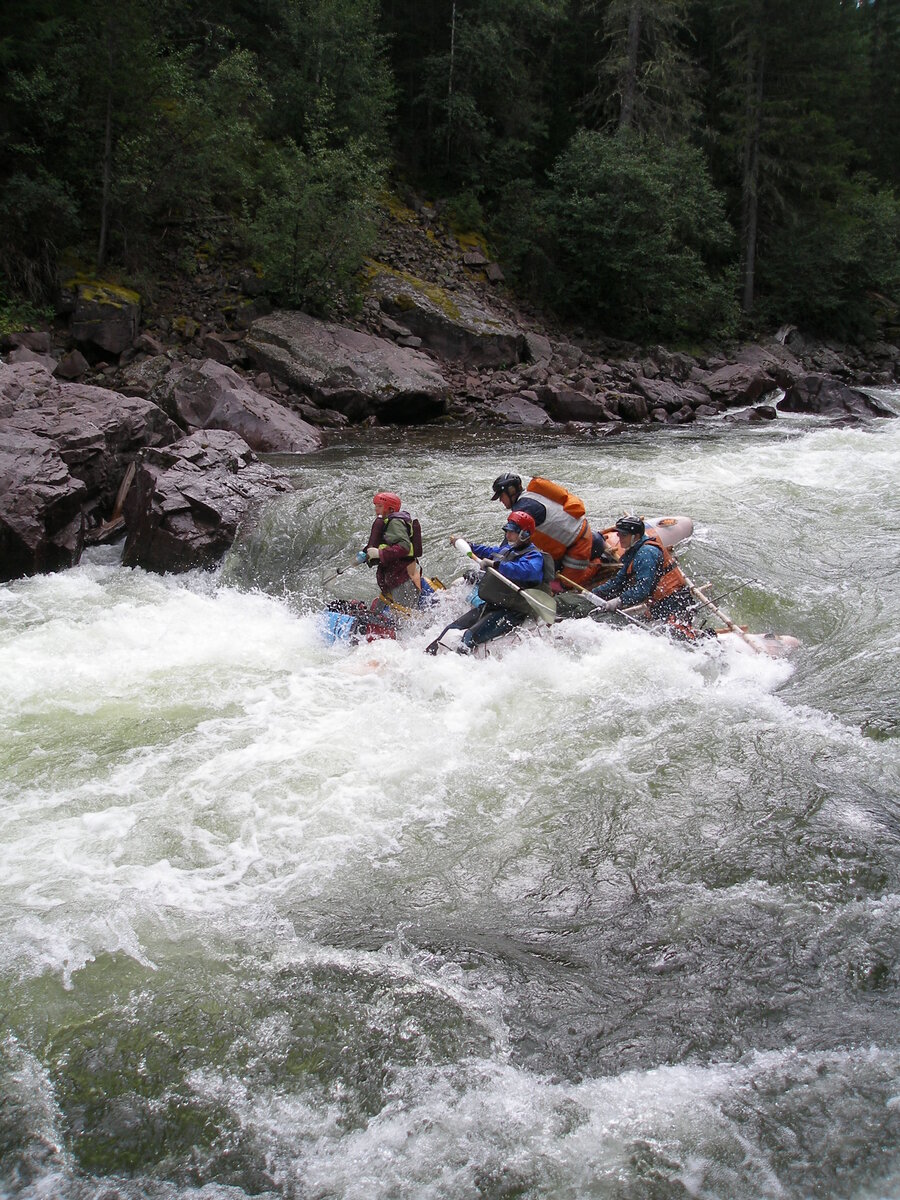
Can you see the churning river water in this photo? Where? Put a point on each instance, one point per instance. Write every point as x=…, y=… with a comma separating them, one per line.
x=603, y=916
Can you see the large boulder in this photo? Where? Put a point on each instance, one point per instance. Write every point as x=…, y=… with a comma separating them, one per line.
x=95, y=431
x=454, y=324
x=565, y=404
x=671, y=396
x=41, y=519
x=103, y=314
x=355, y=373
x=209, y=395
x=189, y=499
x=739, y=383
x=518, y=410
x=829, y=397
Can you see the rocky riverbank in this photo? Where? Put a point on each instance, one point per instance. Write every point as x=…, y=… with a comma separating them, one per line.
x=148, y=419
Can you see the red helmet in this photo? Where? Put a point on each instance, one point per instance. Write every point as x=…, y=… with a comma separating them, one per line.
x=390, y=500
x=520, y=520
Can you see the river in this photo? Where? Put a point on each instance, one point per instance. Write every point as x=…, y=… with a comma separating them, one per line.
x=602, y=916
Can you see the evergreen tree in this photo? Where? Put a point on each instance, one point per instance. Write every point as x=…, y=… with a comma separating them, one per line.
x=646, y=78
x=631, y=235
x=791, y=81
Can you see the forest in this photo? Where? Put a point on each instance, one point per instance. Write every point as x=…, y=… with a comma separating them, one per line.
x=652, y=169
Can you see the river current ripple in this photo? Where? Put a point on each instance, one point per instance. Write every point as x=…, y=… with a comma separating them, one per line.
x=602, y=916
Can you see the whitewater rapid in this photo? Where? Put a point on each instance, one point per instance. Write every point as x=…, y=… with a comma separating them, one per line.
x=600, y=916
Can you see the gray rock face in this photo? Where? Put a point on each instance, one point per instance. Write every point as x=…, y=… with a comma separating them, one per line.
x=96, y=432
x=41, y=521
x=355, y=373
x=64, y=449
x=830, y=398
x=208, y=395
x=739, y=383
x=453, y=324
x=517, y=410
x=189, y=499
x=663, y=393
x=565, y=404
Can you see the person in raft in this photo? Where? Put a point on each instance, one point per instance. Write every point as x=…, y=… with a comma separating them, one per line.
x=648, y=575
x=502, y=608
x=393, y=549
x=561, y=528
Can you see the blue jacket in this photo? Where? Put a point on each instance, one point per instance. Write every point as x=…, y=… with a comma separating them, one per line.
x=525, y=570
x=638, y=586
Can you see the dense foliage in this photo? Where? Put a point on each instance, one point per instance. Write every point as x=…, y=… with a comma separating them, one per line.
x=664, y=168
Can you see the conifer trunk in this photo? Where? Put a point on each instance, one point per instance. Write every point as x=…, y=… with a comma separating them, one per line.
x=750, y=182
x=106, y=177
x=106, y=171
x=629, y=79
x=450, y=81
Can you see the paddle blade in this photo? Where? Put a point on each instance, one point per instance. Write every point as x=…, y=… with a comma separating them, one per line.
x=542, y=605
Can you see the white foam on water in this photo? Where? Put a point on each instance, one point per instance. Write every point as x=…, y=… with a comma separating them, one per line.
x=485, y=1124
x=243, y=763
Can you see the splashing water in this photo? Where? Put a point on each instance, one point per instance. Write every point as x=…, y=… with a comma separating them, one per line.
x=602, y=916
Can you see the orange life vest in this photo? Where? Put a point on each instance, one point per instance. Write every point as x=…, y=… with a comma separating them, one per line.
x=670, y=577
x=564, y=533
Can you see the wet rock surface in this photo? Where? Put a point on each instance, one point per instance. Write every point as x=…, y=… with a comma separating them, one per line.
x=189, y=499
x=353, y=372
x=65, y=450
x=209, y=395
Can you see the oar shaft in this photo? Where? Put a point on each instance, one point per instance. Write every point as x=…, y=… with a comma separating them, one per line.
x=618, y=611
x=723, y=616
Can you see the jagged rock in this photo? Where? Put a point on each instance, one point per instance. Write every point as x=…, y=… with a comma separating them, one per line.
x=517, y=410
x=212, y=396
x=738, y=383
x=96, y=431
x=539, y=347
x=220, y=351
x=358, y=374
x=393, y=327
x=41, y=519
x=663, y=393
x=22, y=354
x=71, y=366
x=752, y=416
x=189, y=499
x=829, y=397
x=455, y=324
x=37, y=340
x=103, y=314
x=145, y=377
x=634, y=408
x=564, y=404
x=567, y=357
x=148, y=344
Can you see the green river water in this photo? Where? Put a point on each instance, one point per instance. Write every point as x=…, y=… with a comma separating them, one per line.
x=601, y=916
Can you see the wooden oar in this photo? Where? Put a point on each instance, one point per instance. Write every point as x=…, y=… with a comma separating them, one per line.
x=723, y=617
x=621, y=612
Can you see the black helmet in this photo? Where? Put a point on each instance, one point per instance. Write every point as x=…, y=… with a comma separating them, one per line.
x=633, y=526
x=504, y=482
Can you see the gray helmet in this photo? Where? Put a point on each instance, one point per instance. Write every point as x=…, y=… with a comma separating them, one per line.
x=633, y=526
x=503, y=483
